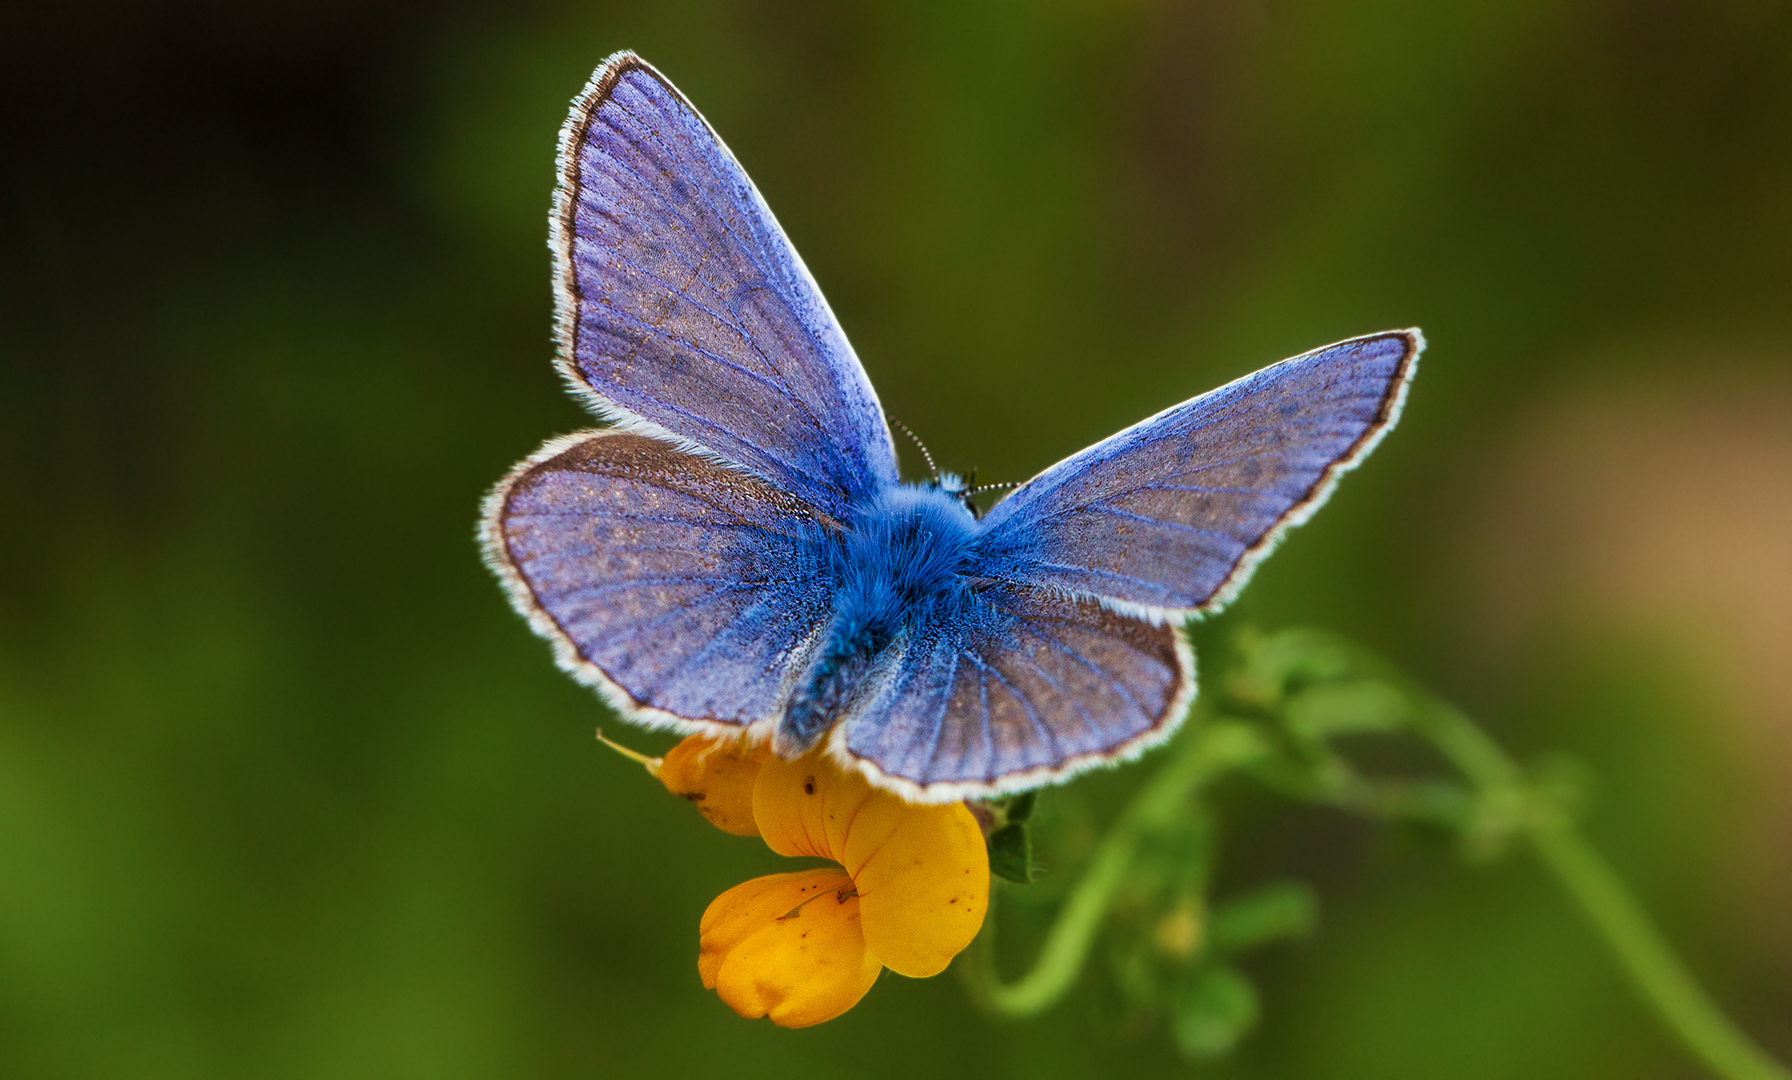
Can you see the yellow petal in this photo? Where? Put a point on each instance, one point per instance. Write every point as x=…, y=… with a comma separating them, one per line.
x=787, y=946
x=807, y=806
x=923, y=878
x=717, y=777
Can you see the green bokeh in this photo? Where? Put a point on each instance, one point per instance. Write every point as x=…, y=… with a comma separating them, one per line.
x=287, y=791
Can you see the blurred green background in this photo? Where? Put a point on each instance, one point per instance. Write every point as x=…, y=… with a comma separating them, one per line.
x=287, y=791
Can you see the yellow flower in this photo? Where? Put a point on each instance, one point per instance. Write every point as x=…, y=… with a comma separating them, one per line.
x=717, y=777
x=909, y=890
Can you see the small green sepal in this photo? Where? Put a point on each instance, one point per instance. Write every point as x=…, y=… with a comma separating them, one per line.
x=1011, y=853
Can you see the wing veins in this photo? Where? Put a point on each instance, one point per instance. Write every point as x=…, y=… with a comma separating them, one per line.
x=1113, y=684
x=939, y=722
x=715, y=357
x=710, y=646
x=653, y=624
x=1090, y=570
x=753, y=249
x=1101, y=508
x=1088, y=720
x=1032, y=714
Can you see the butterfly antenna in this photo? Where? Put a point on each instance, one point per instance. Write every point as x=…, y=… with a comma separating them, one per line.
x=992, y=487
x=921, y=446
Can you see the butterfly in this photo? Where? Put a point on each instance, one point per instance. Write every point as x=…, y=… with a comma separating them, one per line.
x=737, y=553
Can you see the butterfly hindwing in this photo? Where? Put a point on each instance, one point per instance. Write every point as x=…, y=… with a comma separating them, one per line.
x=1169, y=517
x=1036, y=686
x=687, y=591
x=683, y=307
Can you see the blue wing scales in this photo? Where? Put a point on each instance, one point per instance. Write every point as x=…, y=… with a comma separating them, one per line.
x=677, y=563
x=1170, y=516
x=683, y=309
x=689, y=592
x=1030, y=688
x=1073, y=656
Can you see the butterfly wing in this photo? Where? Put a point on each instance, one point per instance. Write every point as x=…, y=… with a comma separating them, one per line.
x=1072, y=654
x=1032, y=688
x=1168, y=518
x=688, y=592
x=682, y=308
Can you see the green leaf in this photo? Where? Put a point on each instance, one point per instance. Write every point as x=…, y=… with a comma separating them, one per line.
x=1011, y=853
x=1365, y=707
x=1284, y=910
x=1276, y=663
x=1216, y=1008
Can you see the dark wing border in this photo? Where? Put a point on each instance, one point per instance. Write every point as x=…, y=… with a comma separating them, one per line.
x=561, y=232
x=1392, y=402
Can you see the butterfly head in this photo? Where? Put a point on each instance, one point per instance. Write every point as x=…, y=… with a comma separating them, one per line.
x=959, y=487
x=965, y=490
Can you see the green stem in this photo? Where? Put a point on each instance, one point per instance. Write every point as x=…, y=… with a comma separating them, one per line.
x=1643, y=954
x=1204, y=753
x=1507, y=799
x=1641, y=951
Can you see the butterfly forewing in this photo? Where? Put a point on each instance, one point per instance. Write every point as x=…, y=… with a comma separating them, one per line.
x=688, y=591
x=683, y=305
x=1170, y=516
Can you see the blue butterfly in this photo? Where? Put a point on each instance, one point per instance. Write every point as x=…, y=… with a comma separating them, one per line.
x=737, y=552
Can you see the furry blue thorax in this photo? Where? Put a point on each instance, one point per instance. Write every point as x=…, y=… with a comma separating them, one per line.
x=897, y=564
x=900, y=556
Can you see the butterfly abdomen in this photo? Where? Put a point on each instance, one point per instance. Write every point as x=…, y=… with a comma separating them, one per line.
x=899, y=562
